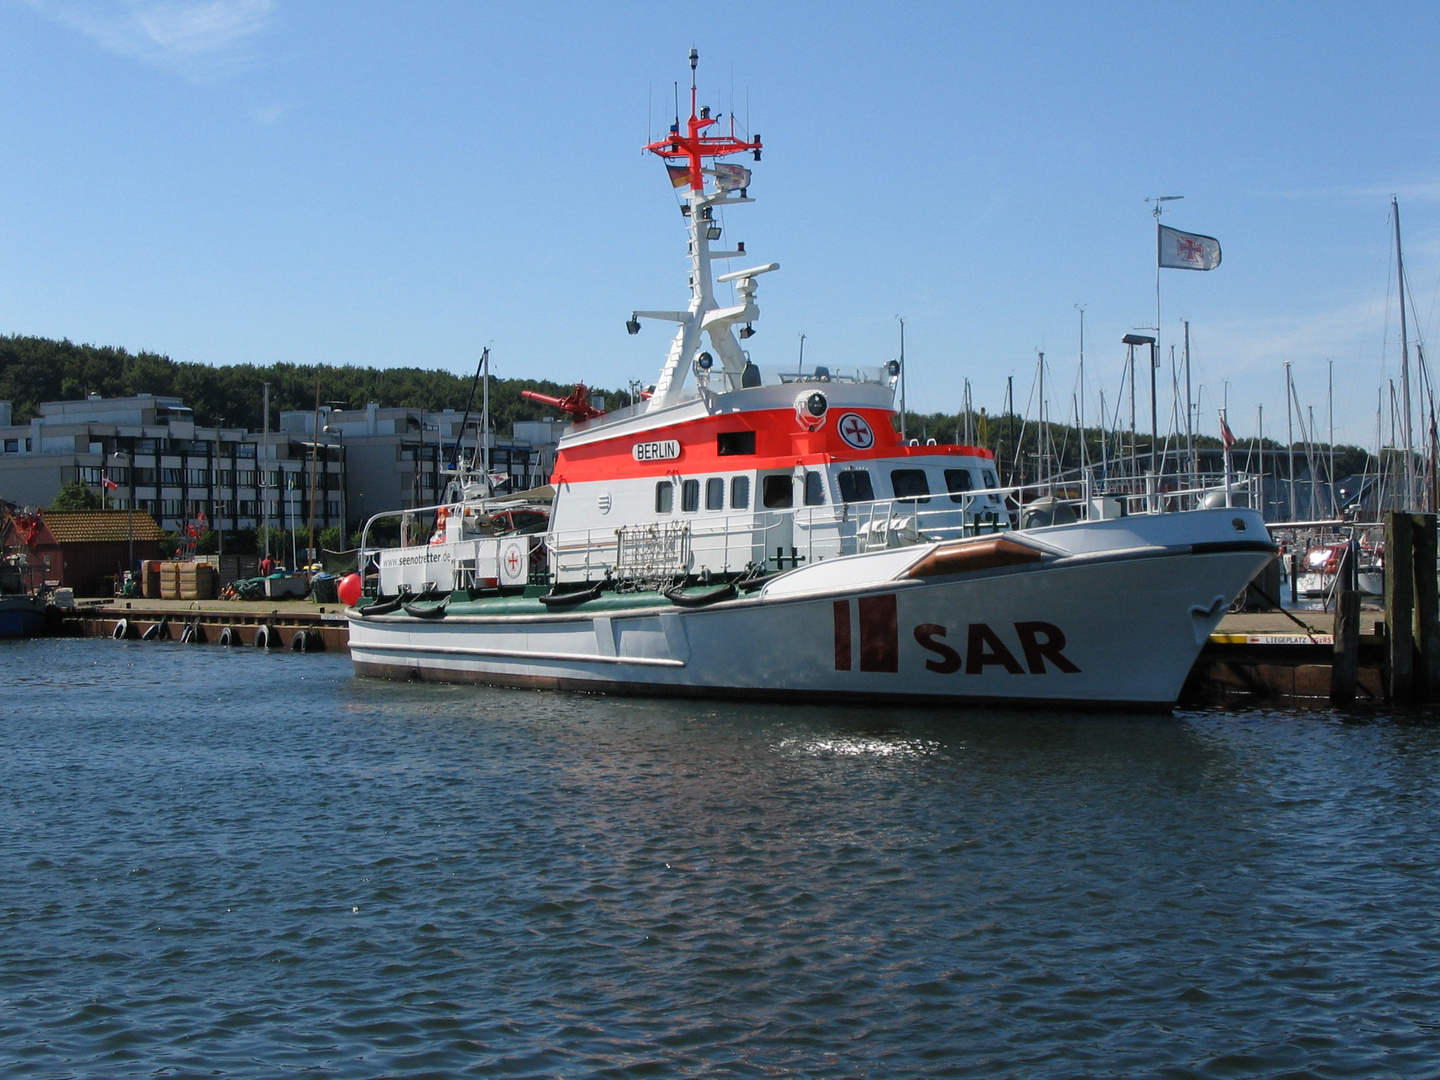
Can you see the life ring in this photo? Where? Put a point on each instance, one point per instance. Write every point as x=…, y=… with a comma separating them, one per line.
x=123, y=631
x=229, y=637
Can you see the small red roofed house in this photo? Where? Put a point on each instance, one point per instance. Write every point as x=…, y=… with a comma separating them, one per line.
x=85, y=550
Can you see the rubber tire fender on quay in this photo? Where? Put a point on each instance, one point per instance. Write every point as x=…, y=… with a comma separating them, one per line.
x=307, y=641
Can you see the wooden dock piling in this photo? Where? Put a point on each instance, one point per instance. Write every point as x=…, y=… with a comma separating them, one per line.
x=1345, y=666
x=1399, y=607
x=1427, y=608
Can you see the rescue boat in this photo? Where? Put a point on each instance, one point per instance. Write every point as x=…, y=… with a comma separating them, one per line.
x=744, y=531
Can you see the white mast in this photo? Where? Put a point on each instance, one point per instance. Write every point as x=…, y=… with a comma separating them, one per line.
x=1405, y=429
x=485, y=421
x=704, y=315
x=1084, y=460
x=1290, y=436
x=1189, y=425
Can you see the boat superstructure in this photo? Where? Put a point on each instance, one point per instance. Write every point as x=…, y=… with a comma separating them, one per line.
x=752, y=530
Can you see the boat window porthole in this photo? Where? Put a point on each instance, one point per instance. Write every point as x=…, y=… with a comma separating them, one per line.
x=777, y=492
x=1239, y=524
x=814, y=489
x=740, y=493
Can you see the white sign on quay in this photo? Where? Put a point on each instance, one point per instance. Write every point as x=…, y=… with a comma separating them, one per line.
x=664, y=450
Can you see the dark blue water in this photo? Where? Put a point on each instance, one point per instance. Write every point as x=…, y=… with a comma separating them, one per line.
x=227, y=863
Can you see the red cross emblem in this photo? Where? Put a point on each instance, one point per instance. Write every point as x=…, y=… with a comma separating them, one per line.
x=512, y=560
x=855, y=431
x=1191, y=250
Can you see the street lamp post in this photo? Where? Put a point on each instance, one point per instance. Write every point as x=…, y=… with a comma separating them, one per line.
x=1141, y=339
x=118, y=457
x=219, y=494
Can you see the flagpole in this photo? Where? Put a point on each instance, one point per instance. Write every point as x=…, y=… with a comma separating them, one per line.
x=1157, y=200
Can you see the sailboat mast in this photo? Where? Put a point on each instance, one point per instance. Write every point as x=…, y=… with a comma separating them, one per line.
x=1134, y=464
x=1290, y=436
x=1330, y=405
x=485, y=420
x=1405, y=429
x=1041, y=472
x=1260, y=442
x=1084, y=459
x=1189, y=409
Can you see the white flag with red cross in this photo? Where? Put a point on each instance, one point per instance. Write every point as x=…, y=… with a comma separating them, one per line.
x=1187, y=251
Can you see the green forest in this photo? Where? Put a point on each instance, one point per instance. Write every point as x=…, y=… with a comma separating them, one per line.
x=34, y=369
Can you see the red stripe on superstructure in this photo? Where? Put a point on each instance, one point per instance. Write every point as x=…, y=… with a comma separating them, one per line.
x=879, y=634
x=842, y=635
x=779, y=444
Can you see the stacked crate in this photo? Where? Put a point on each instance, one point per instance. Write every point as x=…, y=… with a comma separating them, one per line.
x=187, y=581
x=150, y=579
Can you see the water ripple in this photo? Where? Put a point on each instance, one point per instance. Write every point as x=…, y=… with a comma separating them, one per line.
x=231, y=863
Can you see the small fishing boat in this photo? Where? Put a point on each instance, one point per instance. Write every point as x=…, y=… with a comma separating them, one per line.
x=22, y=611
x=749, y=532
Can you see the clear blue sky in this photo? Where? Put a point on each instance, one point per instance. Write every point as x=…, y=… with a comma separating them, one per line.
x=232, y=181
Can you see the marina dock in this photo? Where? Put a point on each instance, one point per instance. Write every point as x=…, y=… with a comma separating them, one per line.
x=298, y=625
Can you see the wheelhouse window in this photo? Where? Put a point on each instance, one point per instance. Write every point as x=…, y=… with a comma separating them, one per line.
x=814, y=488
x=777, y=492
x=740, y=493
x=715, y=493
x=991, y=480
x=664, y=497
x=690, y=496
x=910, y=485
x=728, y=443
x=958, y=482
x=855, y=486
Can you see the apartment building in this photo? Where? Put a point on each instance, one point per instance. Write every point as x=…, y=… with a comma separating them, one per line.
x=398, y=458
x=160, y=462
x=358, y=463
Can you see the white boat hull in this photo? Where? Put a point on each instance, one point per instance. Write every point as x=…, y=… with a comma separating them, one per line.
x=1116, y=618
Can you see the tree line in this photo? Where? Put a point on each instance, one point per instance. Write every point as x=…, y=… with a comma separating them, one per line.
x=1017, y=445
x=36, y=369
